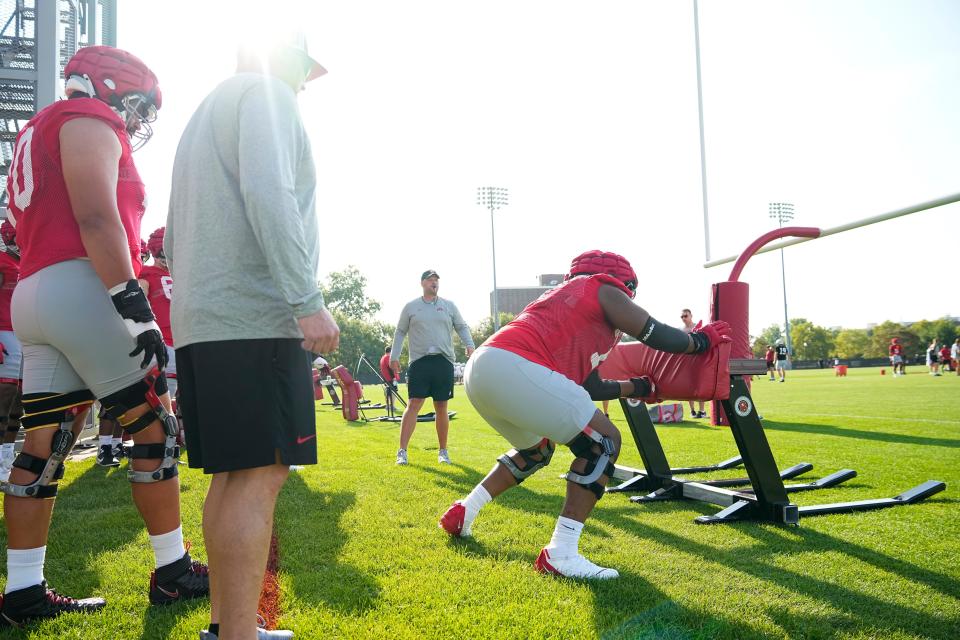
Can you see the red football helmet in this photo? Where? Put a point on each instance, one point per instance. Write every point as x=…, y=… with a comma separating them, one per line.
x=155, y=243
x=121, y=80
x=8, y=233
x=593, y=262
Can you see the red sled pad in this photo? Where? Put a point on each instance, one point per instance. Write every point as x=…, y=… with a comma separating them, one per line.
x=678, y=376
x=350, y=406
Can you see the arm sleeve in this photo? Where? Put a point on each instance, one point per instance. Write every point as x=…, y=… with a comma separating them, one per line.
x=664, y=337
x=271, y=143
x=600, y=389
x=403, y=326
x=463, y=330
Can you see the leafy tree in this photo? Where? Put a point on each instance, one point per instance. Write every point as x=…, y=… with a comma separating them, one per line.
x=945, y=331
x=809, y=341
x=881, y=335
x=345, y=291
x=852, y=343
x=768, y=336
x=357, y=336
x=480, y=332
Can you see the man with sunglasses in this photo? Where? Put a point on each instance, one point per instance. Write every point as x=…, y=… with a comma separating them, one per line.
x=535, y=381
x=686, y=317
x=242, y=244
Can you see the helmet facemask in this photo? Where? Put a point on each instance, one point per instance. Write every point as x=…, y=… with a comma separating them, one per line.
x=138, y=113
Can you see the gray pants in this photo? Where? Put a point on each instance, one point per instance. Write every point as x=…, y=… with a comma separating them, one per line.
x=72, y=336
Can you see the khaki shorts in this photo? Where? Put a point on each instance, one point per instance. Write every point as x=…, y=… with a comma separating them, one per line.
x=525, y=402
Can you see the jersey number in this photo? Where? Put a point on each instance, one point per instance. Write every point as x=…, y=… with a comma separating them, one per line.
x=22, y=164
x=167, y=283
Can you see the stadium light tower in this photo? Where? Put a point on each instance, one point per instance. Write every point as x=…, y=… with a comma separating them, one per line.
x=493, y=198
x=783, y=212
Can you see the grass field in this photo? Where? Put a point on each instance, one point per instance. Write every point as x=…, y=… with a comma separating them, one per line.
x=361, y=556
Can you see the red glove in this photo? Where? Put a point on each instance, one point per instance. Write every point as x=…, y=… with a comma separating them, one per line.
x=715, y=333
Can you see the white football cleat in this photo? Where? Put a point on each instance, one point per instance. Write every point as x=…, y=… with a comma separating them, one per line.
x=443, y=457
x=575, y=566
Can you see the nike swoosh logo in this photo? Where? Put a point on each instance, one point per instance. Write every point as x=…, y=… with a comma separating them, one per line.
x=170, y=594
x=301, y=439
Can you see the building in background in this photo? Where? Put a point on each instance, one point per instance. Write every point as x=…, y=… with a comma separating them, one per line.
x=512, y=300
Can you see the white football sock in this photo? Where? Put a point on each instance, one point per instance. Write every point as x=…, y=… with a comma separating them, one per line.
x=168, y=547
x=106, y=441
x=24, y=568
x=566, y=538
x=472, y=505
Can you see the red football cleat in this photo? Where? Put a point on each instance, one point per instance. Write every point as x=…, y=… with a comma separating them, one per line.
x=452, y=520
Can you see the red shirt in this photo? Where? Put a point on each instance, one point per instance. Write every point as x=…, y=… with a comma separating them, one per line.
x=896, y=349
x=565, y=329
x=945, y=354
x=47, y=232
x=770, y=356
x=10, y=270
x=161, y=288
x=385, y=369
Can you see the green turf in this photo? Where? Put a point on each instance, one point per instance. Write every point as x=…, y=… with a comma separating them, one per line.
x=361, y=556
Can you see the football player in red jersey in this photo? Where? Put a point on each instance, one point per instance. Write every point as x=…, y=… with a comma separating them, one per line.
x=11, y=352
x=85, y=324
x=535, y=382
x=896, y=357
x=157, y=284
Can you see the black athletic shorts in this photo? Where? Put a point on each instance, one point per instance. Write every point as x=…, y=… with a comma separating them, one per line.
x=431, y=377
x=245, y=400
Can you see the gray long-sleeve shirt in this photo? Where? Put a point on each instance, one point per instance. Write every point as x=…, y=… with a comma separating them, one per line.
x=242, y=236
x=429, y=326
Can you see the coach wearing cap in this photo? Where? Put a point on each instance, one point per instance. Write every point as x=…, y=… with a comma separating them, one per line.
x=428, y=320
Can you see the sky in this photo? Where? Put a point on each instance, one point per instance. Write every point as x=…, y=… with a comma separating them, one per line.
x=587, y=113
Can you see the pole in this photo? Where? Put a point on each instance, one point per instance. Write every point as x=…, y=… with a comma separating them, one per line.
x=703, y=150
x=923, y=206
x=786, y=320
x=493, y=248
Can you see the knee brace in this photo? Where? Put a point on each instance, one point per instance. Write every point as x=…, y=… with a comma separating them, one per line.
x=117, y=405
x=44, y=410
x=586, y=446
x=530, y=465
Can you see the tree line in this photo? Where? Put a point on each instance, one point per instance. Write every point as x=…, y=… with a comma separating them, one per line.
x=345, y=294
x=813, y=342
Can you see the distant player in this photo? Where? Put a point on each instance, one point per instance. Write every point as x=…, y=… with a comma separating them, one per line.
x=391, y=379
x=771, y=357
x=783, y=359
x=157, y=284
x=11, y=409
x=896, y=357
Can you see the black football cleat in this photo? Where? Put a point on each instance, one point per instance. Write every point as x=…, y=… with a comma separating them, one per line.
x=37, y=602
x=184, y=579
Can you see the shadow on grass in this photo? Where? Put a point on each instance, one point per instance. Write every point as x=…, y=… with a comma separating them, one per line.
x=311, y=539
x=856, y=610
x=845, y=432
x=664, y=619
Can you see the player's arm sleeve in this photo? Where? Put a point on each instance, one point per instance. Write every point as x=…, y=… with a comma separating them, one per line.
x=403, y=326
x=271, y=144
x=463, y=330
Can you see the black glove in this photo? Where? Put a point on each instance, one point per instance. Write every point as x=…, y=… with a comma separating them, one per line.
x=643, y=387
x=131, y=303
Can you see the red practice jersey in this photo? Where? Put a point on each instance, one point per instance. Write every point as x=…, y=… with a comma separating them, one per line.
x=896, y=349
x=161, y=289
x=564, y=330
x=47, y=231
x=10, y=270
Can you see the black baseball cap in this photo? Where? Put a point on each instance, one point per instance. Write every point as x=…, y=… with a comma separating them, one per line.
x=429, y=273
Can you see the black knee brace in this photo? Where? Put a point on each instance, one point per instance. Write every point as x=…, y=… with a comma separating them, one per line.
x=44, y=410
x=597, y=450
x=116, y=405
x=531, y=465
